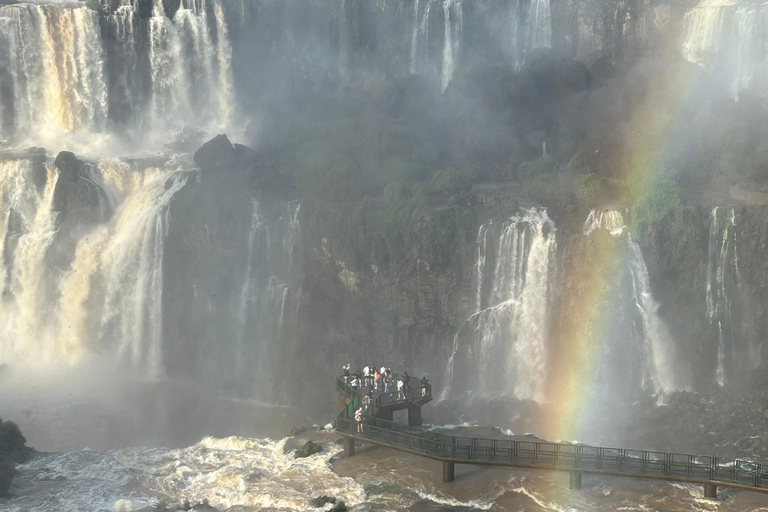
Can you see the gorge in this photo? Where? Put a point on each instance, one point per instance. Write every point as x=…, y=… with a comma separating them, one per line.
x=555, y=209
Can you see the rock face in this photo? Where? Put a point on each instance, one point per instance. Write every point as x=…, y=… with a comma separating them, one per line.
x=79, y=202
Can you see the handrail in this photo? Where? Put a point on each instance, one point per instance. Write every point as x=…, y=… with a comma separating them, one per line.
x=544, y=453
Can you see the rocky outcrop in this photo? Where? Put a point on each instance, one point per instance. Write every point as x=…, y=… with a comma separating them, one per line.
x=79, y=202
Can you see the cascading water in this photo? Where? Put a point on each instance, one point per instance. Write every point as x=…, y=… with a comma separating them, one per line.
x=64, y=71
x=539, y=25
x=440, y=67
x=530, y=28
x=725, y=37
x=503, y=348
x=643, y=326
x=722, y=275
x=117, y=266
x=269, y=297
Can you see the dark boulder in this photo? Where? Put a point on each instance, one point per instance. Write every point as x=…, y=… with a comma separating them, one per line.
x=79, y=202
x=7, y=474
x=79, y=195
x=309, y=448
x=12, y=442
x=242, y=167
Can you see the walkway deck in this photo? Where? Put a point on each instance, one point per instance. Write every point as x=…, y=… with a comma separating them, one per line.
x=535, y=454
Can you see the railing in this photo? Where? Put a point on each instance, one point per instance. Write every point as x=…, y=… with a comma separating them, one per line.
x=544, y=454
x=381, y=398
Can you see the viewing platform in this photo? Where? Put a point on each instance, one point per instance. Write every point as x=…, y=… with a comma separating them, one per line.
x=376, y=427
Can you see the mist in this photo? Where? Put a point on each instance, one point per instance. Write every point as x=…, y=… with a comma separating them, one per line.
x=554, y=210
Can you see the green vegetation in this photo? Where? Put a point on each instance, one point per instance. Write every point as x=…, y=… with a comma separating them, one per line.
x=589, y=188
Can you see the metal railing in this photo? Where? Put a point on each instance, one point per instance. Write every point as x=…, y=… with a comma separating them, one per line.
x=381, y=398
x=536, y=453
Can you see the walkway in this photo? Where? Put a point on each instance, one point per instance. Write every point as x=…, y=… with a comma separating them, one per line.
x=535, y=454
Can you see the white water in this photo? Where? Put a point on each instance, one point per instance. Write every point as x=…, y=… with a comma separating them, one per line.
x=726, y=38
x=539, y=25
x=59, y=61
x=530, y=28
x=660, y=373
x=226, y=472
x=441, y=67
x=110, y=299
x=658, y=345
x=722, y=263
x=509, y=339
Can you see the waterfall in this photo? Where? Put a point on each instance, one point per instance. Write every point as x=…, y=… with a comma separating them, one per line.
x=657, y=350
x=539, y=25
x=110, y=298
x=258, y=246
x=482, y=248
x=415, y=38
x=56, y=67
x=726, y=38
x=506, y=343
x=447, y=46
x=611, y=220
x=530, y=28
x=658, y=345
x=66, y=72
x=269, y=299
x=722, y=271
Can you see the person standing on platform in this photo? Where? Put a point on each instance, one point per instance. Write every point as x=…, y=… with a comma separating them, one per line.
x=359, y=419
x=400, y=394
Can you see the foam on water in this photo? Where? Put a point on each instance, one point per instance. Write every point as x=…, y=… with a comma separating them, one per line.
x=227, y=472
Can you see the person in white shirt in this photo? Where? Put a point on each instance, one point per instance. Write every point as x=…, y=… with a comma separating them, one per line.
x=400, y=395
x=359, y=420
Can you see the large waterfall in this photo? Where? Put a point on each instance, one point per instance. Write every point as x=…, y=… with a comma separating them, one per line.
x=502, y=349
x=269, y=300
x=505, y=347
x=62, y=71
x=527, y=26
x=635, y=320
x=726, y=37
x=109, y=298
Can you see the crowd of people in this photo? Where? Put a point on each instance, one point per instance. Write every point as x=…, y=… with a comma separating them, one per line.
x=372, y=381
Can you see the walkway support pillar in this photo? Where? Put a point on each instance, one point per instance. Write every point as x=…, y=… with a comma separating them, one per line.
x=448, y=472
x=414, y=415
x=575, y=479
x=710, y=491
x=349, y=447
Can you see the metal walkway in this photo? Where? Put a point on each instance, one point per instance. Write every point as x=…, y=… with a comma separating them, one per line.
x=535, y=454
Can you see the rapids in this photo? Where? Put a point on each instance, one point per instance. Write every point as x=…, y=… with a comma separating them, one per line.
x=250, y=474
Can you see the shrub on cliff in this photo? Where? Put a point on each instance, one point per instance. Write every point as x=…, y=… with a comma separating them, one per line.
x=538, y=168
x=589, y=188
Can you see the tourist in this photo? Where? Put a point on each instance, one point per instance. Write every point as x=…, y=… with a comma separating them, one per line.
x=354, y=383
x=346, y=372
x=424, y=384
x=367, y=402
x=406, y=380
x=359, y=419
x=385, y=380
x=376, y=379
x=400, y=394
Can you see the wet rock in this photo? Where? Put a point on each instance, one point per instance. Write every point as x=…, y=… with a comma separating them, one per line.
x=322, y=501
x=7, y=473
x=309, y=448
x=12, y=443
